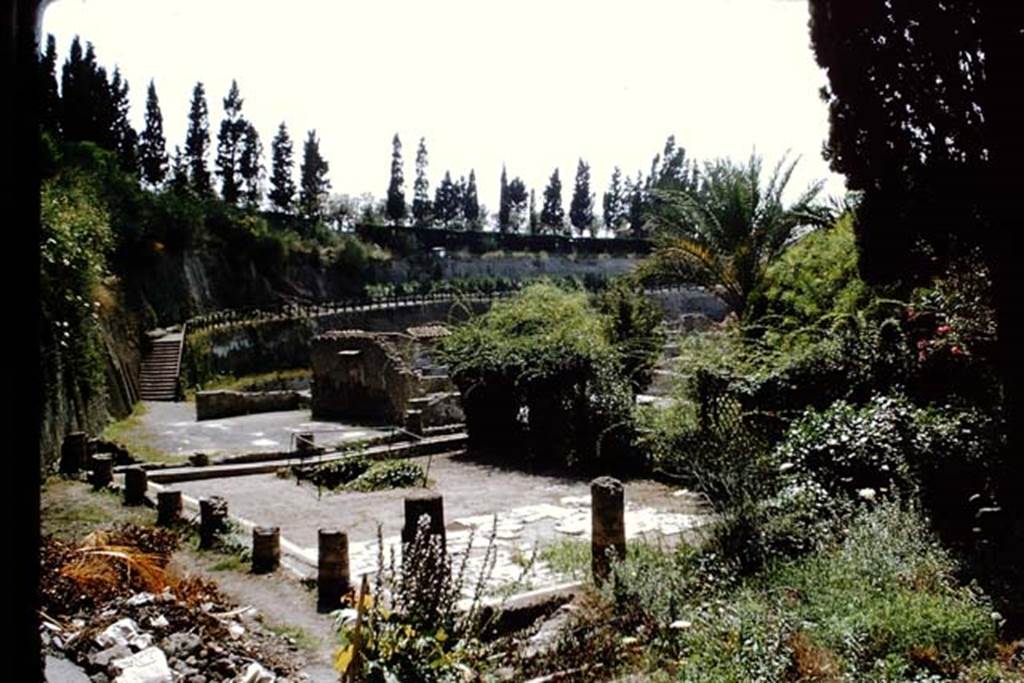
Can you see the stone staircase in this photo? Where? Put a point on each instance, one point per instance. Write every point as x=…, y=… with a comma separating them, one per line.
x=158, y=380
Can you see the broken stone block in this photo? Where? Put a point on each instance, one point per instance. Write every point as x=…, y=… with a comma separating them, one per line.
x=121, y=632
x=103, y=658
x=255, y=673
x=148, y=666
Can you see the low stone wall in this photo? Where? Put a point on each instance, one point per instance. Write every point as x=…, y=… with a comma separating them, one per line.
x=211, y=405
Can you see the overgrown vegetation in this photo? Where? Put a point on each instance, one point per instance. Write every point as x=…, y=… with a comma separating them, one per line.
x=549, y=373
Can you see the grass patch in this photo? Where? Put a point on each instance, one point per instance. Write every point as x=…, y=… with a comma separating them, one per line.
x=71, y=509
x=266, y=381
x=230, y=563
x=302, y=638
x=131, y=433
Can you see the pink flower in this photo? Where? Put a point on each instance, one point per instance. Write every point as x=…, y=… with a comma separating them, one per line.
x=956, y=351
x=943, y=329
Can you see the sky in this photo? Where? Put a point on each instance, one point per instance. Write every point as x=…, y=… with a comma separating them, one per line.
x=532, y=84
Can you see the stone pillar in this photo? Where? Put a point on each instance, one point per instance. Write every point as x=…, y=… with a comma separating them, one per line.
x=168, y=508
x=419, y=504
x=74, y=452
x=266, y=549
x=304, y=443
x=607, y=523
x=102, y=470
x=135, y=483
x=332, y=569
x=213, y=517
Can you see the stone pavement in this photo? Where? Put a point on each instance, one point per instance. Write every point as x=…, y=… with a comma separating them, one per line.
x=172, y=428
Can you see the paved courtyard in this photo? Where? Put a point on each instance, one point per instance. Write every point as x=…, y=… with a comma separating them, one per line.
x=523, y=511
x=173, y=429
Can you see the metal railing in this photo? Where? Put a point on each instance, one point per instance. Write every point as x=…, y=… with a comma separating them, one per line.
x=313, y=309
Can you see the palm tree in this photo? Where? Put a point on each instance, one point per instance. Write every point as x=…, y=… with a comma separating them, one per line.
x=724, y=234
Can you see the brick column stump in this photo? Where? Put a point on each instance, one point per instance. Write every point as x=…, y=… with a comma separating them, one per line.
x=266, y=549
x=213, y=518
x=135, y=484
x=332, y=569
x=168, y=508
x=102, y=470
x=607, y=525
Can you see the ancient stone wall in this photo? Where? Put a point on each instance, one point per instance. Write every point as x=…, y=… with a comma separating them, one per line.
x=358, y=374
x=211, y=405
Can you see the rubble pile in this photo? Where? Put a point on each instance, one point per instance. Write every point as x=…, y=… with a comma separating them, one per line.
x=128, y=623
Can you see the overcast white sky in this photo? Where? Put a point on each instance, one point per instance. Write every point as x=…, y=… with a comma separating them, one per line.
x=534, y=84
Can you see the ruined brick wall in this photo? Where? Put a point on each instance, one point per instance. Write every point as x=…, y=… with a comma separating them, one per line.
x=362, y=375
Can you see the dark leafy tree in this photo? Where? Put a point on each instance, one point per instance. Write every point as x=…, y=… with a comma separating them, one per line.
x=925, y=124
x=87, y=109
x=49, y=97
x=396, y=208
x=504, y=207
x=446, y=201
x=552, y=215
x=534, y=225
x=152, y=144
x=471, y=203
x=250, y=167
x=518, y=199
x=581, y=208
x=314, y=185
x=229, y=141
x=421, y=204
x=282, y=182
x=614, y=202
x=125, y=139
x=197, y=142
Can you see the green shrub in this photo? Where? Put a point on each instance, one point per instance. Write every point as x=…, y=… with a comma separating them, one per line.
x=540, y=377
x=815, y=277
x=850, y=449
x=392, y=474
x=339, y=473
x=634, y=328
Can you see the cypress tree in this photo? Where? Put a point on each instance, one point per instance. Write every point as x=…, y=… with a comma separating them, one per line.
x=534, y=217
x=49, y=97
x=179, y=172
x=504, y=213
x=446, y=201
x=614, y=202
x=250, y=167
x=517, y=203
x=314, y=185
x=152, y=144
x=229, y=138
x=421, y=205
x=87, y=109
x=74, y=116
x=552, y=216
x=125, y=139
x=282, y=183
x=197, y=142
x=581, y=208
x=471, y=203
x=636, y=207
x=396, y=209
